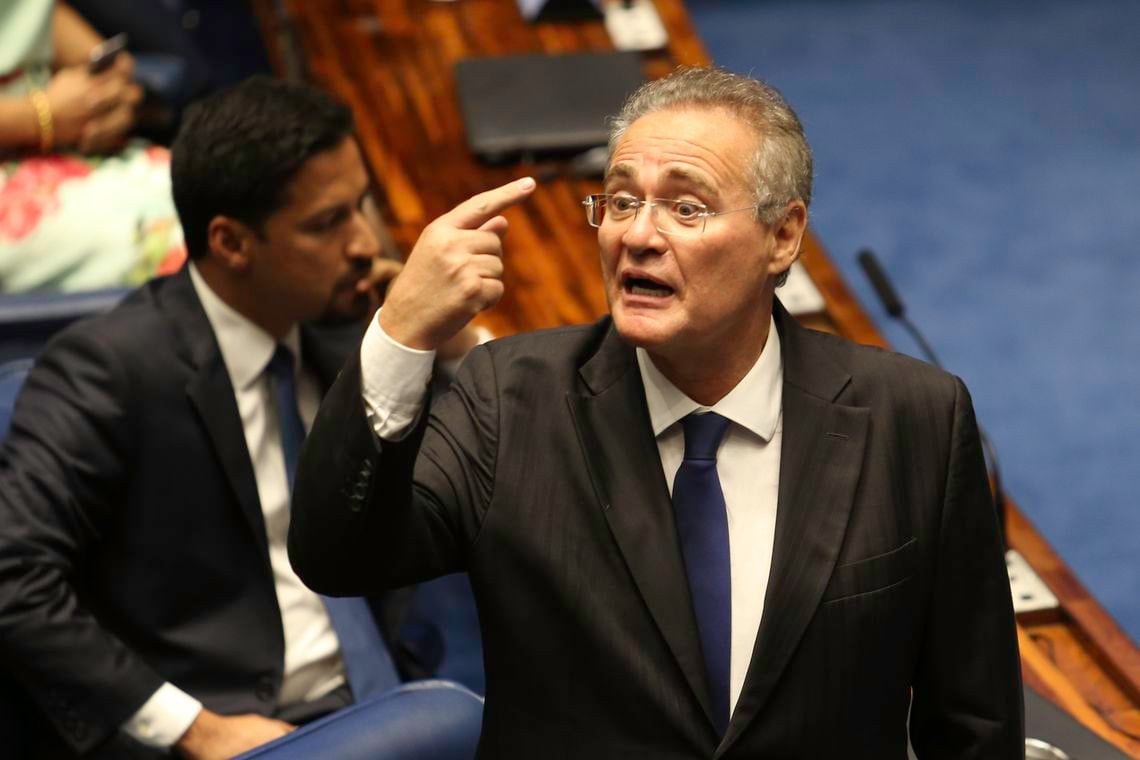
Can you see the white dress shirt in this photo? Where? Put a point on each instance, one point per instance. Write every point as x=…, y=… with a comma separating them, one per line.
x=313, y=666
x=395, y=377
x=748, y=465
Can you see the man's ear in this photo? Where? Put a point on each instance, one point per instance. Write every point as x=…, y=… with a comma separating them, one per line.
x=788, y=235
x=231, y=243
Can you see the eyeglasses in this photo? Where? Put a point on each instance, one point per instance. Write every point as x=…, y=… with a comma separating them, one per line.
x=680, y=218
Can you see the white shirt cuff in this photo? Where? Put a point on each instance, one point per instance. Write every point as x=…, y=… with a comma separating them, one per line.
x=164, y=718
x=394, y=381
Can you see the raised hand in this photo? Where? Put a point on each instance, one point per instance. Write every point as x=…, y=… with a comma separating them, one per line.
x=454, y=271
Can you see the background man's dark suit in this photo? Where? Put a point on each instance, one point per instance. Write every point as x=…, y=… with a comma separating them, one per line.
x=541, y=477
x=126, y=478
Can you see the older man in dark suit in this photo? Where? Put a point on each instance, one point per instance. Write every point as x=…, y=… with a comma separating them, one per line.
x=694, y=529
x=146, y=599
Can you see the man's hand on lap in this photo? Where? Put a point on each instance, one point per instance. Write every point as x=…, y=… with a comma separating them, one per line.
x=212, y=736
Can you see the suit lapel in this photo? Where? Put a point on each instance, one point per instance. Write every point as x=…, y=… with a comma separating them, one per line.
x=212, y=395
x=820, y=462
x=617, y=441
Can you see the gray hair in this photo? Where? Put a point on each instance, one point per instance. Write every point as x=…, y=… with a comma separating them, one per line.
x=781, y=169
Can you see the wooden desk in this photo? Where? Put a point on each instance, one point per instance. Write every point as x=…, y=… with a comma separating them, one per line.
x=391, y=60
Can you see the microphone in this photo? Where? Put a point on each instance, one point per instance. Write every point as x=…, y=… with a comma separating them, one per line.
x=891, y=301
x=882, y=285
x=896, y=310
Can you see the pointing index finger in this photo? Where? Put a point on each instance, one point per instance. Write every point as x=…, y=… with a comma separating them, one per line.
x=477, y=209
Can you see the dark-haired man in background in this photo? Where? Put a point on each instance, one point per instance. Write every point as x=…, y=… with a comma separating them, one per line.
x=146, y=599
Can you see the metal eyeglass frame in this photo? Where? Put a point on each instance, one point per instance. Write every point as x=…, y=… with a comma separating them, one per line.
x=595, y=201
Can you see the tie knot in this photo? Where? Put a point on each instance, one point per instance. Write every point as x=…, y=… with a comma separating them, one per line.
x=281, y=365
x=703, y=433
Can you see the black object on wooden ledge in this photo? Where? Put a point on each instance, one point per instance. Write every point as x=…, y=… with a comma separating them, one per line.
x=559, y=10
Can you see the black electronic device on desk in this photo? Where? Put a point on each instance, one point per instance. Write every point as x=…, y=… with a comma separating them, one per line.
x=541, y=105
x=559, y=10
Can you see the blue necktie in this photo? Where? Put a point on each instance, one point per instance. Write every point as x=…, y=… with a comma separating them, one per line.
x=366, y=658
x=702, y=524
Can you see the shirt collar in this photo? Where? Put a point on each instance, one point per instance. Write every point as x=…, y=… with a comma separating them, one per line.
x=754, y=403
x=246, y=348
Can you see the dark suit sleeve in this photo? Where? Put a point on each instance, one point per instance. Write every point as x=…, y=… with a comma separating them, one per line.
x=967, y=690
x=61, y=470
x=370, y=514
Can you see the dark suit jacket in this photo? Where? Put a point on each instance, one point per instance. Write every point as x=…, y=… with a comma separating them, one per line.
x=540, y=476
x=132, y=546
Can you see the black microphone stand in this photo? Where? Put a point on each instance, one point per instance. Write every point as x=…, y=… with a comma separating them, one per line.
x=896, y=310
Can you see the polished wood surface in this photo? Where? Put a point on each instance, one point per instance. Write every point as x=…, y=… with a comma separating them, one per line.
x=392, y=60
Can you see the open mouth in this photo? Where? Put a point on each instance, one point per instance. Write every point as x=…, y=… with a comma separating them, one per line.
x=640, y=285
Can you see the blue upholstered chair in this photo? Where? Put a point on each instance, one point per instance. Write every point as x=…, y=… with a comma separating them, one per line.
x=28, y=320
x=12, y=376
x=422, y=719
x=12, y=738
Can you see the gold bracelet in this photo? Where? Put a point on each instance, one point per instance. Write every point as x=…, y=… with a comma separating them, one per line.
x=43, y=117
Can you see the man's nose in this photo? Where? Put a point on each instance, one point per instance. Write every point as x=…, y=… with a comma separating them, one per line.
x=365, y=241
x=642, y=235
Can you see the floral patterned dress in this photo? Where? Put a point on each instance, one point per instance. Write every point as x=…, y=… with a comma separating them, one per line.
x=70, y=222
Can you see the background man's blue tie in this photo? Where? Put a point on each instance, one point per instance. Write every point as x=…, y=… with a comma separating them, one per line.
x=366, y=658
x=702, y=524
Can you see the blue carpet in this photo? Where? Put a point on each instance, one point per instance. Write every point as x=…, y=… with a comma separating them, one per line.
x=990, y=154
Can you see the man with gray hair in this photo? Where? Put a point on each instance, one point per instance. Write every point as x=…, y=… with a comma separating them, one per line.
x=694, y=529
